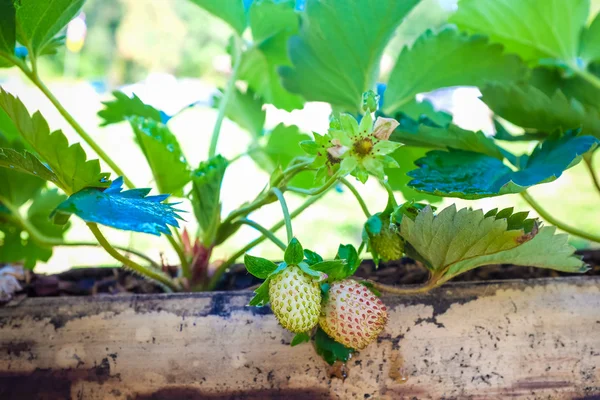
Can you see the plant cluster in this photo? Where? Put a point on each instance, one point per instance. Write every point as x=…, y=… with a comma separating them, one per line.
x=540, y=72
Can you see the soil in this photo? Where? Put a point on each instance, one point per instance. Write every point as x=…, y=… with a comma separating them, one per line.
x=114, y=281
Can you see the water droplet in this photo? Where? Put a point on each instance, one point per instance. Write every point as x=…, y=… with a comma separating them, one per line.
x=12, y=166
x=170, y=147
x=397, y=371
x=35, y=172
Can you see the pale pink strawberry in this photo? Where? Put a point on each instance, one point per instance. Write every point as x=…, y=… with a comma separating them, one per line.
x=352, y=314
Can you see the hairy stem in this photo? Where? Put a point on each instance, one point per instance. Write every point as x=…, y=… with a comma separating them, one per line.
x=80, y=131
x=286, y=214
x=237, y=56
x=549, y=218
x=391, y=198
x=150, y=273
x=312, y=192
x=360, y=200
x=266, y=233
x=227, y=263
x=403, y=290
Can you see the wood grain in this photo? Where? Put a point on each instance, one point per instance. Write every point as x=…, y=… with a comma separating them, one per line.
x=520, y=340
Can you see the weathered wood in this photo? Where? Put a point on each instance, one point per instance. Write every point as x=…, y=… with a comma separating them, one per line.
x=524, y=340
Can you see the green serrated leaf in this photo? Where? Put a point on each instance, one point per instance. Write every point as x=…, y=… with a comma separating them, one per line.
x=206, y=195
x=259, y=267
x=444, y=55
x=25, y=162
x=418, y=110
x=163, y=153
x=39, y=21
x=445, y=138
x=349, y=254
x=124, y=107
x=528, y=107
x=549, y=80
x=261, y=297
x=230, y=11
x=68, y=163
x=130, y=210
x=329, y=349
x=272, y=23
x=454, y=242
x=7, y=32
x=17, y=185
x=337, y=52
x=472, y=175
x=294, y=253
x=536, y=30
x=311, y=257
x=300, y=338
x=335, y=269
x=245, y=109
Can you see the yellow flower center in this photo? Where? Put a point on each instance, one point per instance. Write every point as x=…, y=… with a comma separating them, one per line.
x=363, y=147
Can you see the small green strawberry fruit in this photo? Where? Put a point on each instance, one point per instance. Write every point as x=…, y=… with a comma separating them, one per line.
x=352, y=314
x=295, y=299
x=384, y=241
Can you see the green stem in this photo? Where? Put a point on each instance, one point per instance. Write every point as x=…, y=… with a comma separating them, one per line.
x=590, y=167
x=360, y=200
x=267, y=233
x=286, y=213
x=549, y=218
x=185, y=265
x=391, y=198
x=315, y=191
x=80, y=131
x=151, y=273
x=227, y=263
x=237, y=57
x=404, y=290
x=46, y=241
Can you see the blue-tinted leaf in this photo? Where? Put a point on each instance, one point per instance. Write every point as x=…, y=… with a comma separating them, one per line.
x=124, y=107
x=165, y=157
x=131, y=210
x=472, y=175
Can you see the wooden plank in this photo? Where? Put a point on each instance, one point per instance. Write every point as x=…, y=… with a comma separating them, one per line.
x=522, y=340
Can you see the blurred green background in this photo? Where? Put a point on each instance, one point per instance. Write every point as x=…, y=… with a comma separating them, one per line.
x=172, y=53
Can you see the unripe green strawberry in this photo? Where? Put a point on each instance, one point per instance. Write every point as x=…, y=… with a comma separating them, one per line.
x=384, y=242
x=295, y=299
x=352, y=314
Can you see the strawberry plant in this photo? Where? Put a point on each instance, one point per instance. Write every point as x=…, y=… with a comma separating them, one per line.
x=540, y=72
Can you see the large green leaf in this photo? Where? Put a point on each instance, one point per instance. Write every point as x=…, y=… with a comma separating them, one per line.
x=454, y=242
x=272, y=23
x=529, y=107
x=68, y=163
x=230, y=11
x=336, y=55
x=448, y=58
x=398, y=179
x=536, y=30
x=549, y=80
x=25, y=162
x=163, y=153
x=39, y=21
x=124, y=107
x=449, y=137
x=7, y=32
x=206, y=195
x=590, y=42
x=130, y=210
x=470, y=175
x=245, y=109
